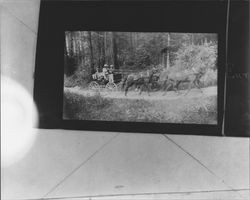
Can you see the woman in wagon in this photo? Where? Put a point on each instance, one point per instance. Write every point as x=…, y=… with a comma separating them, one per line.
x=105, y=71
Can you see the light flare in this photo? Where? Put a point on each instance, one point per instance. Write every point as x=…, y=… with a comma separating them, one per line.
x=18, y=122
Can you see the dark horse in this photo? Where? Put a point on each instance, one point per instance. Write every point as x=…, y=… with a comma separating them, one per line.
x=140, y=81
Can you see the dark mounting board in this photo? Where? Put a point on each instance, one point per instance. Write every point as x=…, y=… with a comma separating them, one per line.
x=56, y=17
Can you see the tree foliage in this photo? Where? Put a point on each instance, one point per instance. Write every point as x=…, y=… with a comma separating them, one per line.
x=196, y=57
x=88, y=51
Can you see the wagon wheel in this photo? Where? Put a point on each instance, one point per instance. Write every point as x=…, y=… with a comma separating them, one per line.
x=94, y=86
x=111, y=87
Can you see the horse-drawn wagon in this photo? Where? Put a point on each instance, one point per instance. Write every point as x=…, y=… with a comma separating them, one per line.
x=107, y=80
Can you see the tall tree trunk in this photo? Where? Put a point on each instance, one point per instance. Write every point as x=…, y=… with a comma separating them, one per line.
x=110, y=48
x=99, y=50
x=66, y=53
x=165, y=54
x=67, y=41
x=74, y=44
x=103, y=49
x=131, y=40
x=114, y=46
x=91, y=52
x=135, y=39
x=168, y=57
x=82, y=52
x=71, y=47
x=107, y=47
x=78, y=42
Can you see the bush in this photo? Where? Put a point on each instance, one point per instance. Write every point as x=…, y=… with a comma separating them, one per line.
x=196, y=57
x=142, y=58
x=70, y=65
x=209, y=78
x=80, y=78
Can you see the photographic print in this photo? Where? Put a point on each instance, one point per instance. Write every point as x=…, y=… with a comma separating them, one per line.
x=160, y=77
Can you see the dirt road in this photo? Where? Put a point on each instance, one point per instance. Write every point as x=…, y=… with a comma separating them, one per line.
x=170, y=95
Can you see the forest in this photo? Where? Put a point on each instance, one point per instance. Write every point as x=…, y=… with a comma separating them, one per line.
x=179, y=69
x=87, y=51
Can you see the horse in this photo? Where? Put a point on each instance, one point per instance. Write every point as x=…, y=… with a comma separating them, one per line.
x=175, y=79
x=140, y=81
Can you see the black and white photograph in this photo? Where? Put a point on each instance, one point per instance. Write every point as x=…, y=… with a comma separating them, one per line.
x=125, y=100
x=161, y=77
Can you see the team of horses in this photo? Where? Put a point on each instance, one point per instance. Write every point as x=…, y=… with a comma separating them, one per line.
x=146, y=81
x=141, y=81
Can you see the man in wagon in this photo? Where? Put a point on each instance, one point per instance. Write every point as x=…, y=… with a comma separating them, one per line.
x=111, y=74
